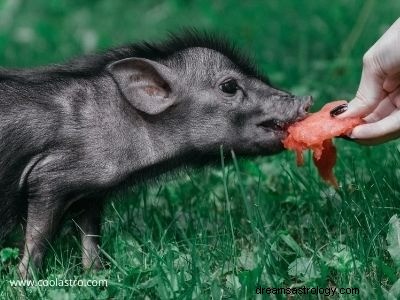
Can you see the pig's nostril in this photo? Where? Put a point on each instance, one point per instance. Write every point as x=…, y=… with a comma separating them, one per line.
x=304, y=107
x=308, y=102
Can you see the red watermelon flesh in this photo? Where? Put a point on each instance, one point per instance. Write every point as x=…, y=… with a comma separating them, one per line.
x=315, y=132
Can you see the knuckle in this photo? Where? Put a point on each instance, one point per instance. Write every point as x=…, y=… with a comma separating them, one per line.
x=363, y=100
x=368, y=58
x=372, y=63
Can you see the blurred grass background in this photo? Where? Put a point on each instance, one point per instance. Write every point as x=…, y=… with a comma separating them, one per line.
x=220, y=233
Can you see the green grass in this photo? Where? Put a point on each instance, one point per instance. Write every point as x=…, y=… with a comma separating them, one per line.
x=264, y=222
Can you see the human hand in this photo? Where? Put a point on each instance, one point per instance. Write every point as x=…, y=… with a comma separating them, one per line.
x=378, y=95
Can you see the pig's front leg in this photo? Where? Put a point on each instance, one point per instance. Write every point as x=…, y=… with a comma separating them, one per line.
x=88, y=223
x=44, y=214
x=49, y=194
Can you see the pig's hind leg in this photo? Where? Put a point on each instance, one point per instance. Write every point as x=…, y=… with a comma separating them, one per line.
x=88, y=224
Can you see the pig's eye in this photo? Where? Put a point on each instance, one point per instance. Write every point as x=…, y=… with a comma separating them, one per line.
x=229, y=87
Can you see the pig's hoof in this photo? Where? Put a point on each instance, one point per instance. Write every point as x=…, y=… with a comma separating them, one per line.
x=92, y=264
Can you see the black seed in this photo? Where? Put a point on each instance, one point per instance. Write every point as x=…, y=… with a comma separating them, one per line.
x=338, y=110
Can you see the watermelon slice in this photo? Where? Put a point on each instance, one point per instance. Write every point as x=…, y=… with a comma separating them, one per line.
x=315, y=132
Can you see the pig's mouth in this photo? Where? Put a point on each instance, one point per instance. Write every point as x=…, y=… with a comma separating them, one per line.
x=274, y=125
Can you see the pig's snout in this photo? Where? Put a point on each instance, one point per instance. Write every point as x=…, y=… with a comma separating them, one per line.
x=304, y=107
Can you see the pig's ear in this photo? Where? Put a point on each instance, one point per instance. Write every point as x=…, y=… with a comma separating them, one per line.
x=145, y=84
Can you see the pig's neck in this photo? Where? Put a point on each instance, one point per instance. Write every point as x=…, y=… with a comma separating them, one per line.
x=164, y=149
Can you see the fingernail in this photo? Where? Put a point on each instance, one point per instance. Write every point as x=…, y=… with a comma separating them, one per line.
x=338, y=110
x=346, y=137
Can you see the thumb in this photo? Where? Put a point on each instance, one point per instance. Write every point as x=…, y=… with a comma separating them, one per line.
x=370, y=93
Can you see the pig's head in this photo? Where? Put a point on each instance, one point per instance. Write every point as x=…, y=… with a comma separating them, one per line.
x=198, y=94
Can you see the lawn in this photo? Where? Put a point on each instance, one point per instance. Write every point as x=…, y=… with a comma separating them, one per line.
x=222, y=232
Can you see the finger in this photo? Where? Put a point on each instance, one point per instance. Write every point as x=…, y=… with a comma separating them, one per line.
x=369, y=94
x=386, y=51
x=384, y=108
x=391, y=83
x=378, y=140
x=395, y=97
x=388, y=125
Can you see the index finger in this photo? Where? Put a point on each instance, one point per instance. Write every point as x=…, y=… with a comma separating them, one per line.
x=369, y=94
